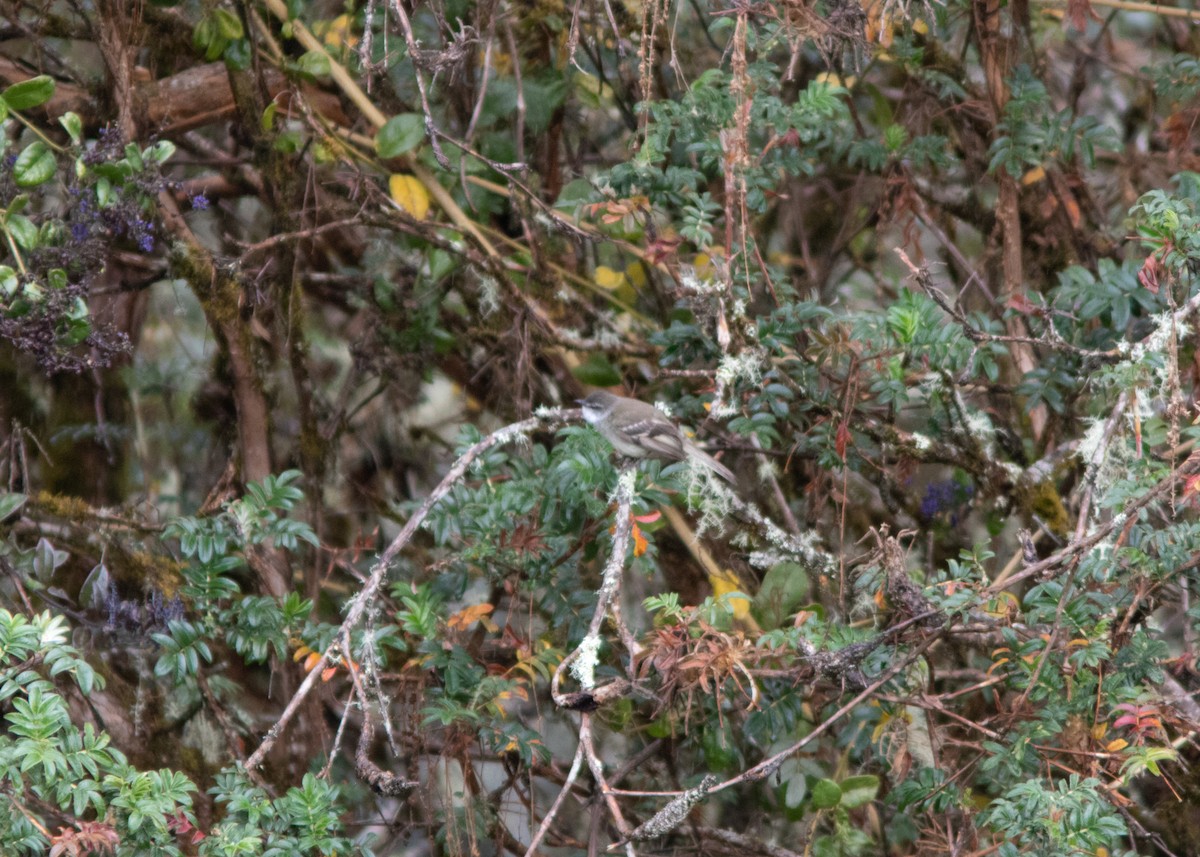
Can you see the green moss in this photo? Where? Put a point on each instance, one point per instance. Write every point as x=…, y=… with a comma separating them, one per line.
x=1044, y=501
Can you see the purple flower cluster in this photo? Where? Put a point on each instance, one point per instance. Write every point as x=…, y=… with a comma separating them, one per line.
x=947, y=497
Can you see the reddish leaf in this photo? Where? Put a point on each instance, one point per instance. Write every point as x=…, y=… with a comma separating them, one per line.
x=661, y=249
x=1078, y=13
x=843, y=439
x=1148, y=275
x=1017, y=301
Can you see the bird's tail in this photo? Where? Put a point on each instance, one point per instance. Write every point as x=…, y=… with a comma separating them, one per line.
x=698, y=455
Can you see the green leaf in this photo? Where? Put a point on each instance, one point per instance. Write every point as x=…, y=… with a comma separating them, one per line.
x=29, y=93
x=47, y=558
x=22, y=230
x=8, y=284
x=596, y=371
x=95, y=589
x=315, y=63
x=160, y=152
x=401, y=134
x=228, y=24
x=826, y=794
x=104, y=192
x=34, y=165
x=797, y=788
x=859, y=790
x=783, y=590
x=9, y=503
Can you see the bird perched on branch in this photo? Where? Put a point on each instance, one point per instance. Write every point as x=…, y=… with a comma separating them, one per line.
x=638, y=430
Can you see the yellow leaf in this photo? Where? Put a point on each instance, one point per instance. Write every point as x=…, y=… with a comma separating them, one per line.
x=1033, y=176
x=830, y=78
x=884, y=720
x=337, y=33
x=725, y=582
x=1116, y=746
x=608, y=279
x=1098, y=730
x=409, y=194
x=635, y=273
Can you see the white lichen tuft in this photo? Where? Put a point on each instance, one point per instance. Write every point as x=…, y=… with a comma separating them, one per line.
x=980, y=428
x=766, y=559
x=1106, y=465
x=691, y=282
x=584, y=665
x=1089, y=444
x=920, y=442
x=609, y=339
x=489, y=294
x=746, y=366
x=706, y=493
x=1159, y=338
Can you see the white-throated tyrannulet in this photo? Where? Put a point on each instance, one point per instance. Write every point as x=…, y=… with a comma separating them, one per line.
x=638, y=430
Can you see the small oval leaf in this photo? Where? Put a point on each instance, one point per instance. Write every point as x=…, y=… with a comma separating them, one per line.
x=29, y=93
x=34, y=165
x=826, y=794
x=859, y=790
x=401, y=134
x=409, y=194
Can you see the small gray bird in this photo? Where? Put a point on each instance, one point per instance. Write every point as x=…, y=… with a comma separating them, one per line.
x=638, y=430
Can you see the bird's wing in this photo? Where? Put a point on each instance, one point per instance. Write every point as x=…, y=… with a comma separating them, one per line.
x=660, y=439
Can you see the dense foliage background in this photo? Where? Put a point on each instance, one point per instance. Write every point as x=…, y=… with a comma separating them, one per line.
x=304, y=548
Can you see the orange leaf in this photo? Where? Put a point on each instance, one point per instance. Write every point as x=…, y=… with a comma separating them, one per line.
x=328, y=673
x=640, y=544
x=468, y=616
x=311, y=661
